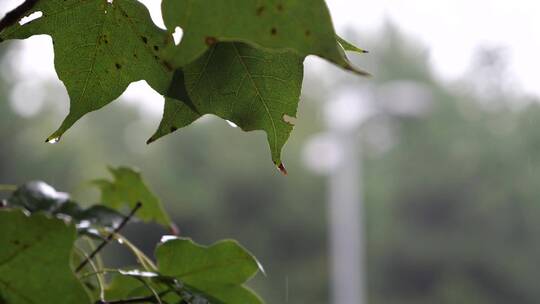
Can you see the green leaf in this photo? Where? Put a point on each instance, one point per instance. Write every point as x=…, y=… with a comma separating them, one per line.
x=127, y=189
x=34, y=260
x=218, y=271
x=100, y=48
x=124, y=287
x=38, y=196
x=304, y=27
x=347, y=46
x=255, y=89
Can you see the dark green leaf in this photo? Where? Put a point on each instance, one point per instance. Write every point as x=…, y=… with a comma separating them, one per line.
x=218, y=271
x=255, y=89
x=100, y=48
x=34, y=260
x=304, y=27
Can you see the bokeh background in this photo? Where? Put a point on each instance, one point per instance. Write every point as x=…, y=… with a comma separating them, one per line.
x=431, y=166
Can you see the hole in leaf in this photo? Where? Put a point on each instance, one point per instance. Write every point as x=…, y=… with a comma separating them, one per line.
x=289, y=119
x=31, y=17
x=177, y=35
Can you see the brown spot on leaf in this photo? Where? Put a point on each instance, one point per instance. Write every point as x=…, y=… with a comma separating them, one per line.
x=260, y=10
x=144, y=39
x=173, y=129
x=273, y=31
x=118, y=66
x=280, y=7
x=156, y=48
x=282, y=169
x=210, y=40
x=168, y=65
x=307, y=33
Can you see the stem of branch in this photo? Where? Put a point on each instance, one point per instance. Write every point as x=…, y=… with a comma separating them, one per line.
x=109, y=238
x=16, y=14
x=149, y=299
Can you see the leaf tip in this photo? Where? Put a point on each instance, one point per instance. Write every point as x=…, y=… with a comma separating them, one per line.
x=282, y=169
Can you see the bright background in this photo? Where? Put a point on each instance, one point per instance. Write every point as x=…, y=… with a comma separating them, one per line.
x=440, y=150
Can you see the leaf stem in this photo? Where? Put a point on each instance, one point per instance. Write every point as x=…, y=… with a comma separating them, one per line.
x=110, y=237
x=144, y=260
x=156, y=296
x=148, y=299
x=99, y=276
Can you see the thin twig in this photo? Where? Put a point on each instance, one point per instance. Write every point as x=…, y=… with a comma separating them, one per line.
x=16, y=14
x=148, y=299
x=110, y=237
x=157, y=297
x=99, y=277
x=144, y=260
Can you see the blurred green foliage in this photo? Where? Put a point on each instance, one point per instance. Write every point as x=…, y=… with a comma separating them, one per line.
x=452, y=205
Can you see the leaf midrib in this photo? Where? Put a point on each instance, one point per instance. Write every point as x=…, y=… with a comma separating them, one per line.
x=274, y=148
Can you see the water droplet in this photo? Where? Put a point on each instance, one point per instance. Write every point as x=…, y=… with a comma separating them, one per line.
x=53, y=140
x=232, y=124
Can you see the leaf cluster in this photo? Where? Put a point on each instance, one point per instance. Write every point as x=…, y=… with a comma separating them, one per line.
x=51, y=249
x=241, y=60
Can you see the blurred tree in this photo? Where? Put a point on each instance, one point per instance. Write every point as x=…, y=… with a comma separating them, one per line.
x=451, y=203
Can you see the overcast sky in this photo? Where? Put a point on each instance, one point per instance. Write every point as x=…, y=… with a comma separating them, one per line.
x=451, y=29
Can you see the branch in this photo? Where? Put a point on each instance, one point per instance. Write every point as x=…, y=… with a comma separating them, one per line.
x=149, y=299
x=109, y=238
x=16, y=14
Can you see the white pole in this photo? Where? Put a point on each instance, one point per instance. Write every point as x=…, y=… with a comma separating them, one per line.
x=346, y=225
